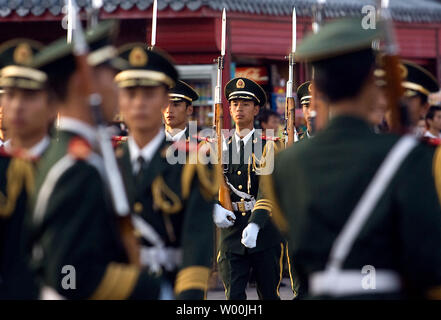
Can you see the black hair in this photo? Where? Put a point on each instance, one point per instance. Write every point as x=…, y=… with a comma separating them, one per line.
x=265, y=114
x=431, y=113
x=342, y=77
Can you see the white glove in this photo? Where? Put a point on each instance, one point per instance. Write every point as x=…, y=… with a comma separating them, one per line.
x=249, y=235
x=220, y=216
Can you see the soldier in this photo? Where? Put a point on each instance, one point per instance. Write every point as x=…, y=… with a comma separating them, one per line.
x=347, y=224
x=248, y=238
x=304, y=95
x=418, y=84
x=174, y=201
x=178, y=110
x=270, y=122
x=28, y=115
x=78, y=250
x=433, y=121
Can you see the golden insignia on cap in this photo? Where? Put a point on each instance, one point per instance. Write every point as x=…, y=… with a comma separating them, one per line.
x=23, y=54
x=403, y=71
x=138, y=57
x=310, y=87
x=379, y=73
x=240, y=84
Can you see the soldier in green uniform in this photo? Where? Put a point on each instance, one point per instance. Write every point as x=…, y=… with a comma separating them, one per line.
x=357, y=231
x=304, y=95
x=178, y=110
x=78, y=252
x=172, y=200
x=249, y=241
x=28, y=115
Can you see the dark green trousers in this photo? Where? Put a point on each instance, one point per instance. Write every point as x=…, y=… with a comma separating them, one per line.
x=267, y=266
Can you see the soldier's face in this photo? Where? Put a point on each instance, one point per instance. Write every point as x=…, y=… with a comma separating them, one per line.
x=272, y=124
x=416, y=109
x=305, y=109
x=108, y=90
x=435, y=123
x=243, y=112
x=142, y=107
x=27, y=113
x=176, y=114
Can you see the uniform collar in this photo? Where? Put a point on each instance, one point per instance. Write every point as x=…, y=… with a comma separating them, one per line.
x=147, y=152
x=178, y=136
x=38, y=149
x=244, y=139
x=80, y=128
x=430, y=135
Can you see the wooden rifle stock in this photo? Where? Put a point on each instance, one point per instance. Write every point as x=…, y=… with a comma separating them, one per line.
x=290, y=118
x=224, y=191
x=394, y=92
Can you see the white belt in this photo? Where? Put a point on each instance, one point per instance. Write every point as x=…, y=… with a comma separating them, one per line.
x=243, y=206
x=350, y=282
x=157, y=257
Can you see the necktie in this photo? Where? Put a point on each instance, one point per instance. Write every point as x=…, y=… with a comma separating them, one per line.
x=241, y=151
x=142, y=164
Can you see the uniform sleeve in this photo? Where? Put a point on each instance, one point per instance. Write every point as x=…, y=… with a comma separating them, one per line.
x=197, y=237
x=80, y=233
x=420, y=225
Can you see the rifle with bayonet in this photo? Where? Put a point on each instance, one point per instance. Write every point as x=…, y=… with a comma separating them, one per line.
x=114, y=179
x=391, y=60
x=224, y=191
x=290, y=104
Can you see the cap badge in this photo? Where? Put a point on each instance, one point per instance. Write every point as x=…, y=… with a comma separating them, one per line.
x=240, y=84
x=138, y=57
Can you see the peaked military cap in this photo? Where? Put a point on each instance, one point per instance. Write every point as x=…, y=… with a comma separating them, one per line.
x=16, y=56
x=58, y=58
x=243, y=88
x=417, y=79
x=182, y=91
x=146, y=67
x=337, y=38
x=304, y=93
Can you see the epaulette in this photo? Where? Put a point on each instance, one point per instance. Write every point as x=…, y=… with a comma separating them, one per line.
x=79, y=148
x=434, y=142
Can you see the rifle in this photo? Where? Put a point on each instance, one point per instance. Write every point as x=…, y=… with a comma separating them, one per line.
x=290, y=104
x=115, y=182
x=318, y=113
x=394, y=89
x=224, y=192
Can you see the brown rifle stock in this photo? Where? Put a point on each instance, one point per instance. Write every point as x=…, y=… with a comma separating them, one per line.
x=394, y=92
x=290, y=111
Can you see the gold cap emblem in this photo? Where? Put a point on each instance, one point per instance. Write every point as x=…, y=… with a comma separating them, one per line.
x=23, y=54
x=138, y=57
x=240, y=84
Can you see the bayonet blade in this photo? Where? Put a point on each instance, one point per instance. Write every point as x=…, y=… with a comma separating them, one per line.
x=154, y=20
x=294, y=30
x=224, y=31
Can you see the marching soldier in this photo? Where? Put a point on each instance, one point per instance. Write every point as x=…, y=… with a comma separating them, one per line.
x=365, y=215
x=172, y=201
x=248, y=238
x=178, y=110
x=78, y=250
x=304, y=95
x=28, y=114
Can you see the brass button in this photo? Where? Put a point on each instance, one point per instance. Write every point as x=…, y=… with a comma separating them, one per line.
x=244, y=214
x=138, y=207
x=240, y=187
x=239, y=173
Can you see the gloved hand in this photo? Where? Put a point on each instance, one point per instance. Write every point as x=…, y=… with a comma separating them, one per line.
x=220, y=216
x=249, y=235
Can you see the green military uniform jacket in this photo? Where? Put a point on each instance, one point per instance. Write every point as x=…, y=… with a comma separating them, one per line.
x=177, y=201
x=243, y=176
x=16, y=185
x=73, y=224
x=318, y=182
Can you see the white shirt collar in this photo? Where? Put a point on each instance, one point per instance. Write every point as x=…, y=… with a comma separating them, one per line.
x=7, y=145
x=244, y=139
x=80, y=128
x=38, y=149
x=430, y=135
x=176, y=137
x=147, y=152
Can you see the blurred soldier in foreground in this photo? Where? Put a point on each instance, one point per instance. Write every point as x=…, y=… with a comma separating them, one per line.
x=178, y=110
x=358, y=218
x=28, y=114
x=173, y=202
x=78, y=251
x=249, y=241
